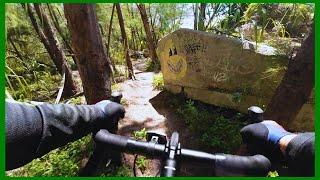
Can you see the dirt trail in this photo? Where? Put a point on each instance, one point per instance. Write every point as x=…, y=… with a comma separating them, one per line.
x=139, y=111
x=146, y=108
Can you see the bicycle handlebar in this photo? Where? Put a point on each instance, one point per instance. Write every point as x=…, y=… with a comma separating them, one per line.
x=222, y=164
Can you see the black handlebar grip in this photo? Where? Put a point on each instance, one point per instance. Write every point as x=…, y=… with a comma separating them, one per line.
x=232, y=165
x=116, y=142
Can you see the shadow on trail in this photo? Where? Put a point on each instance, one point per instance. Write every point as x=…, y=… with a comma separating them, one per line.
x=187, y=138
x=128, y=129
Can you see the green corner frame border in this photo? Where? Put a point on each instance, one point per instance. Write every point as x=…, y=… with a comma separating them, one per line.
x=2, y=80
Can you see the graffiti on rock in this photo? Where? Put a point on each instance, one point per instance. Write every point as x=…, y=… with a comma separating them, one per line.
x=175, y=64
x=193, y=63
x=224, y=69
x=173, y=52
x=193, y=48
x=219, y=76
x=224, y=64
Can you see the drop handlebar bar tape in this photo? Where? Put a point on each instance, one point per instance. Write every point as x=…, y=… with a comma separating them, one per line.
x=232, y=165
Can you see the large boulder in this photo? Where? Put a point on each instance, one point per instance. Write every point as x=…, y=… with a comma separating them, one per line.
x=220, y=70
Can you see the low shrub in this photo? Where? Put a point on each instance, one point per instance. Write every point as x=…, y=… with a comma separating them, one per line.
x=218, y=128
x=158, y=82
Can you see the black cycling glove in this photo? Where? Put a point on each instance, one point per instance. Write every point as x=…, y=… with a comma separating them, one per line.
x=33, y=131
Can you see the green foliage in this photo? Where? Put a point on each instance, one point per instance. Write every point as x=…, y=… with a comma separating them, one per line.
x=121, y=171
x=141, y=163
x=273, y=174
x=158, y=82
x=124, y=102
x=149, y=65
x=77, y=100
x=38, y=86
x=141, y=134
x=237, y=97
x=165, y=18
x=279, y=20
x=115, y=87
x=215, y=127
x=64, y=161
x=30, y=73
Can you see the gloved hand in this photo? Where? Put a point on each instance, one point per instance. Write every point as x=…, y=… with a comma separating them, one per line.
x=63, y=123
x=32, y=131
x=263, y=138
x=111, y=113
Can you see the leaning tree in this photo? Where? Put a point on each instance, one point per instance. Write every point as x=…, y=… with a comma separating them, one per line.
x=296, y=85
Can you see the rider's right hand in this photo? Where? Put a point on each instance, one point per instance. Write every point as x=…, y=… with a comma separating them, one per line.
x=264, y=138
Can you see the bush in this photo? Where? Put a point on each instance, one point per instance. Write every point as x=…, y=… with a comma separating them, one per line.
x=149, y=65
x=217, y=128
x=158, y=82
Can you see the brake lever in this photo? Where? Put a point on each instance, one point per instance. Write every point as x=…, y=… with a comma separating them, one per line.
x=255, y=114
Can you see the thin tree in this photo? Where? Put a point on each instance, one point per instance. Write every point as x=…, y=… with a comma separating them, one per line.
x=195, y=22
x=152, y=47
x=296, y=85
x=133, y=29
x=92, y=60
x=109, y=39
x=124, y=41
x=202, y=16
x=110, y=29
x=56, y=24
x=49, y=39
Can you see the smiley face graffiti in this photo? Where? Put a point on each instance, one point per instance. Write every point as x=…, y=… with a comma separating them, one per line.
x=175, y=65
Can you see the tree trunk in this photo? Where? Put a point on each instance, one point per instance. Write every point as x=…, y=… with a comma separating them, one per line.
x=152, y=23
x=59, y=30
x=202, y=16
x=146, y=26
x=125, y=41
x=109, y=38
x=110, y=29
x=296, y=85
x=93, y=63
x=133, y=29
x=195, y=24
x=16, y=50
x=51, y=43
x=134, y=40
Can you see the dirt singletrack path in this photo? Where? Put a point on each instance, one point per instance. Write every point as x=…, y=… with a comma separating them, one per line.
x=146, y=108
x=140, y=113
x=136, y=95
